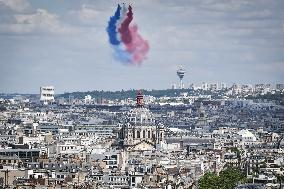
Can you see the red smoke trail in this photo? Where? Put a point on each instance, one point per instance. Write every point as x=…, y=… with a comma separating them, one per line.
x=138, y=47
x=134, y=43
x=124, y=28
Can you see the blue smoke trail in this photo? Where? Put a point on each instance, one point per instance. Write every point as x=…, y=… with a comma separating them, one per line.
x=122, y=55
x=111, y=28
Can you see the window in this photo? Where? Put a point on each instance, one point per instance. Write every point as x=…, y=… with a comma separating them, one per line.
x=114, y=156
x=138, y=134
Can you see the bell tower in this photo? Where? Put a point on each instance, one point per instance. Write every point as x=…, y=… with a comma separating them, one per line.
x=202, y=118
x=139, y=99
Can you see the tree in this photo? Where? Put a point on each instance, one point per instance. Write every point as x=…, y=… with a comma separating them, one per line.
x=227, y=179
x=280, y=178
x=230, y=177
x=208, y=181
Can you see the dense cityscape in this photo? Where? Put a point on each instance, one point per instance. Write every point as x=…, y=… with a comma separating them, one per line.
x=152, y=94
x=212, y=136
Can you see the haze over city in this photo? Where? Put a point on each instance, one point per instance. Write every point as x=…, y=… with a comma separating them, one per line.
x=152, y=94
x=65, y=44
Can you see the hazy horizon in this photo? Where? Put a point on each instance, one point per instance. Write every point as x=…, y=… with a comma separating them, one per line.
x=273, y=85
x=65, y=44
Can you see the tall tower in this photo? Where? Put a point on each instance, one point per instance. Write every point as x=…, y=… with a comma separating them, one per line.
x=180, y=73
x=139, y=99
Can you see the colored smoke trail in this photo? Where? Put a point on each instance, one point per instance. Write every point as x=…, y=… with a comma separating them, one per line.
x=123, y=14
x=121, y=54
x=129, y=47
x=124, y=28
x=138, y=47
x=111, y=29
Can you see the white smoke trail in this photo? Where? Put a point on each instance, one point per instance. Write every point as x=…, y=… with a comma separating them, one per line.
x=123, y=13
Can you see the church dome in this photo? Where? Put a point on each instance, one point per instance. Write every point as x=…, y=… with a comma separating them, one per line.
x=245, y=133
x=140, y=116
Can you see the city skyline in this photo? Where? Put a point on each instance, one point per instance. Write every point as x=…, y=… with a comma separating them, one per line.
x=65, y=44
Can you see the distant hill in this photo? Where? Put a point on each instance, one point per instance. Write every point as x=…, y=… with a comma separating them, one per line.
x=124, y=94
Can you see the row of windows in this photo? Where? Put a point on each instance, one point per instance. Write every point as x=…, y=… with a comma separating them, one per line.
x=68, y=148
x=138, y=134
x=47, y=89
x=111, y=157
x=116, y=179
x=49, y=95
x=8, y=161
x=63, y=176
x=111, y=162
x=248, y=138
x=94, y=132
x=138, y=119
x=21, y=154
x=48, y=166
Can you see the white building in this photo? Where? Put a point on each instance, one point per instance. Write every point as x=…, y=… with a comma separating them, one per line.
x=68, y=149
x=205, y=86
x=213, y=86
x=88, y=99
x=247, y=137
x=47, y=94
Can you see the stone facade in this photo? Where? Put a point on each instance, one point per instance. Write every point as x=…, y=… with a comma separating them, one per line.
x=140, y=128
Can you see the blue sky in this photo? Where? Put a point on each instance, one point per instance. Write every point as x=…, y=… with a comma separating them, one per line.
x=64, y=43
